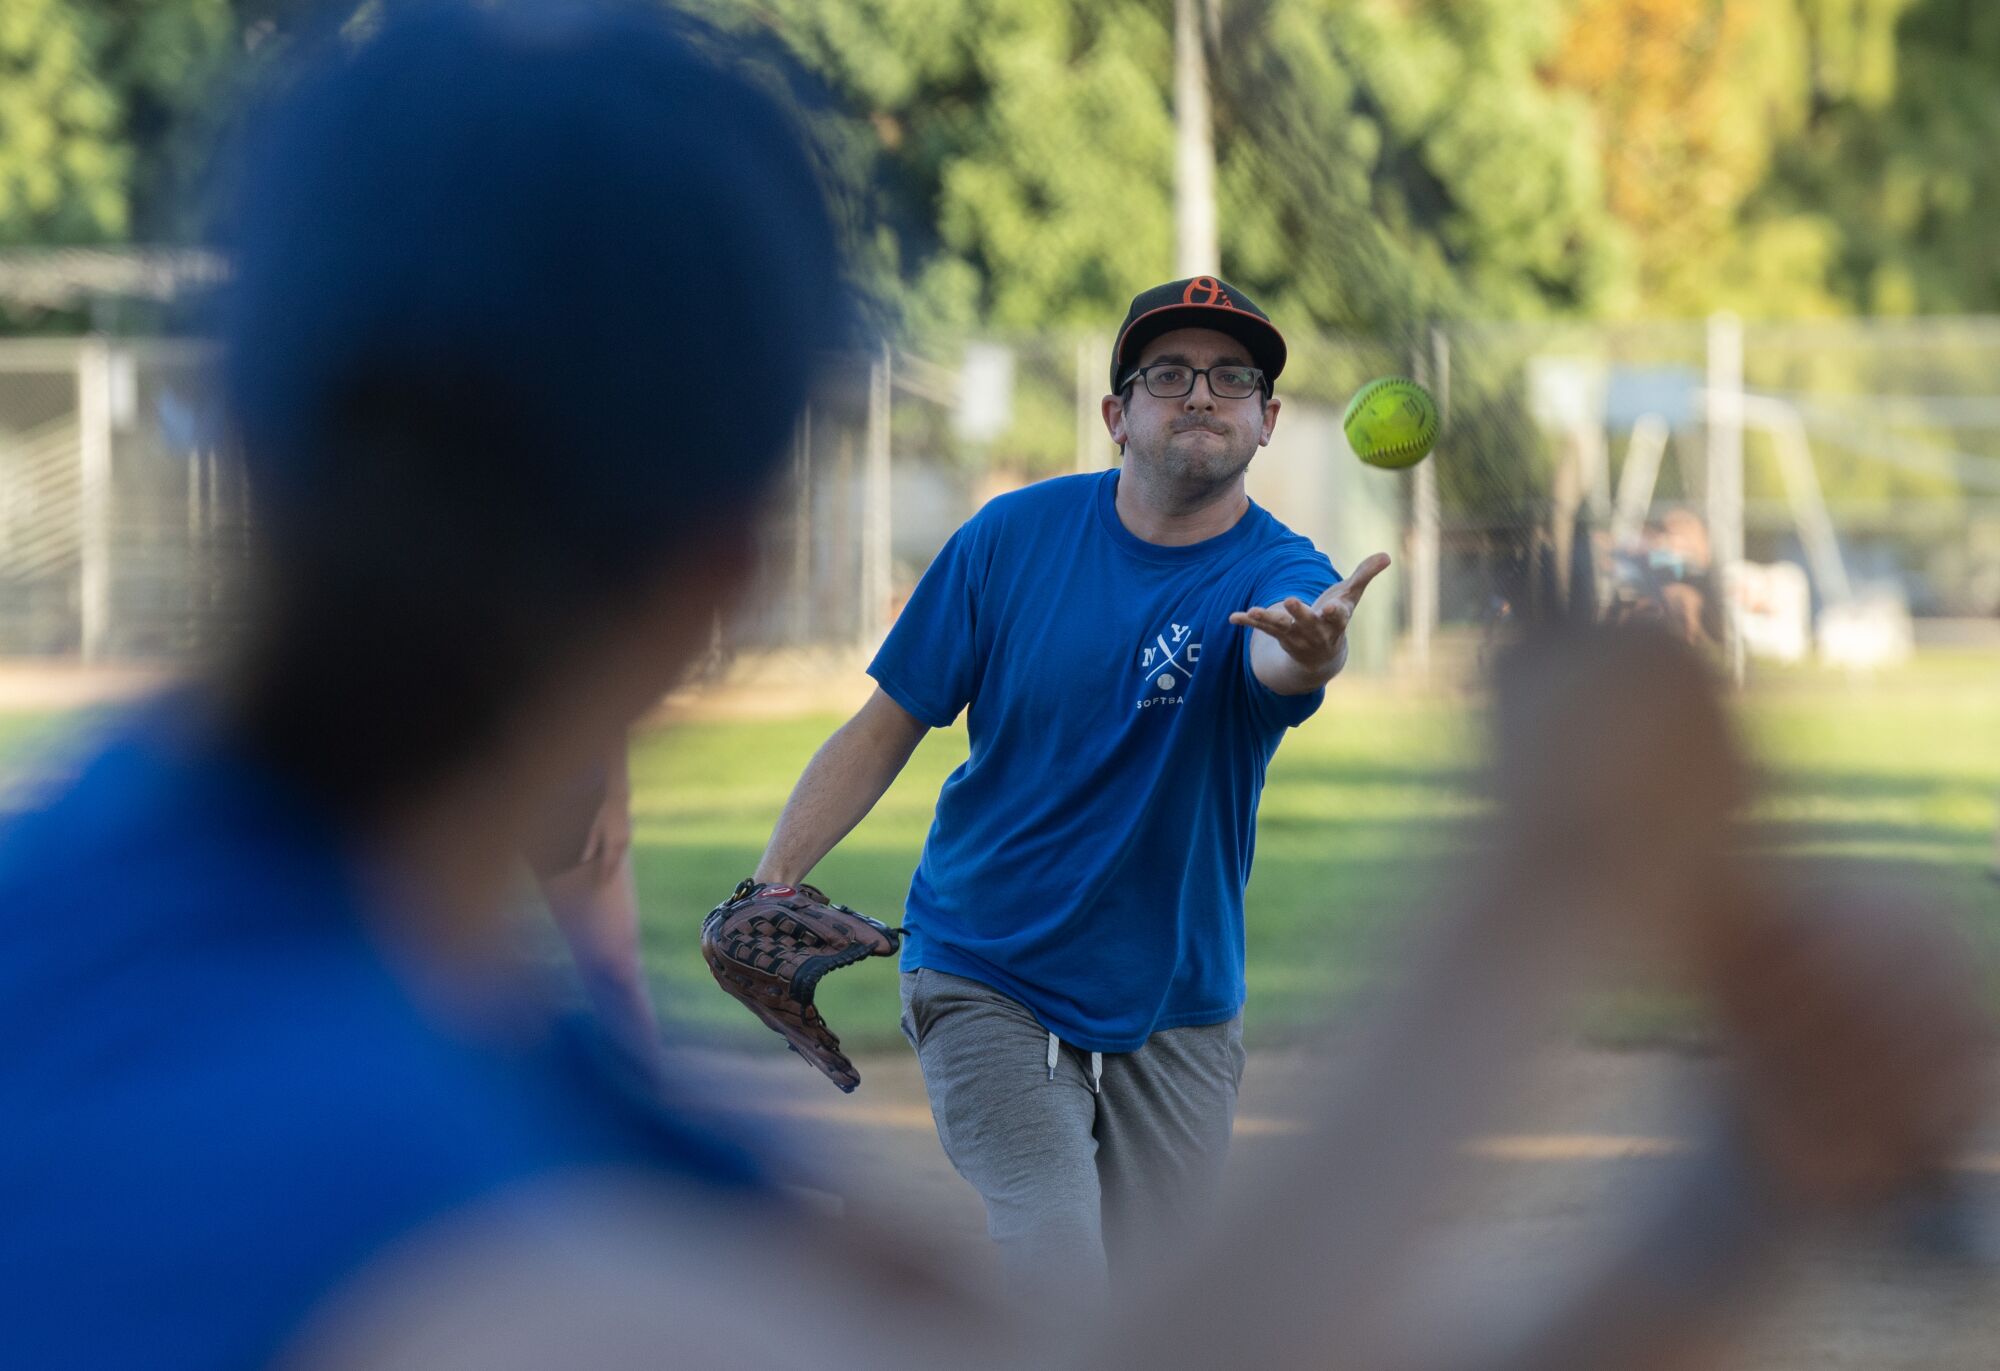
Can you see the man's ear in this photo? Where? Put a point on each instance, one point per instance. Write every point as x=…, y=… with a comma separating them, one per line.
x=1271, y=408
x=1114, y=418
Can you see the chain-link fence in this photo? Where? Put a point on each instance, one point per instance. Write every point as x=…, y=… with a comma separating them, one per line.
x=1866, y=454
x=120, y=520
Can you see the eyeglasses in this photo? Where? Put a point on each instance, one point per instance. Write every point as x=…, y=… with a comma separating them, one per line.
x=1171, y=380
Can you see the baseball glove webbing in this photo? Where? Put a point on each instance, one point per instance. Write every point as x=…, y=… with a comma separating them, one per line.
x=770, y=946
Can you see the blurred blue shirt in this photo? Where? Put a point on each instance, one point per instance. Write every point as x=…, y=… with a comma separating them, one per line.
x=1090, y=856
x=217, y=1098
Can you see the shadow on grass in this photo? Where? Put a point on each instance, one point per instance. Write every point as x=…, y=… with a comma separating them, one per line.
x=1947, y=842
x=1873, y=785
x=1317, y=925
x=1324, y=768
x=1322, y=930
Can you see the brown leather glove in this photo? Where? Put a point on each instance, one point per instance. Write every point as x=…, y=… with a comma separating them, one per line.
x=768, y=945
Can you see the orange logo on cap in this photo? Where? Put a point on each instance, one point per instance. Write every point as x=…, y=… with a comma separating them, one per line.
x=1210, y=290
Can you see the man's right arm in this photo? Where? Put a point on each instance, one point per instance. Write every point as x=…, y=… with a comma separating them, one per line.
x=840, y=785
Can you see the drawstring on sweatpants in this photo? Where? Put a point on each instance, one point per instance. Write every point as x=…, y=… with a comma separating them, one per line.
x=1096, y=1065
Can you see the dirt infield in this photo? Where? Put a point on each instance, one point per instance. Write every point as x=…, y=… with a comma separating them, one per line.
x=29, y=686
x=1869, y=1295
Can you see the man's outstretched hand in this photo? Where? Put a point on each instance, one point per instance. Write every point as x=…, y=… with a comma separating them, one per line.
x=1314, y=636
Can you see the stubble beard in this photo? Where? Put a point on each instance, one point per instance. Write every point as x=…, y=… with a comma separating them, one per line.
x=1189, y=476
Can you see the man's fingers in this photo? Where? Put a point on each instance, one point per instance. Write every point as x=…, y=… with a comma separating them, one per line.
x=1351, y=588
x=1273, y=620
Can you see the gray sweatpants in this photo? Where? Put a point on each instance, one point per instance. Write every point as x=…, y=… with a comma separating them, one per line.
x=1083, y=1171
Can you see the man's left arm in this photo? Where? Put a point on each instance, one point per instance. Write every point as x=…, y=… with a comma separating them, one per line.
x=1299, y=647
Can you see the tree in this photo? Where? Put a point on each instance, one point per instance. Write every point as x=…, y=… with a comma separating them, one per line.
x=174, y=66
x=64, y=162
x=1380, y=165
x=1018, y=151
x=1899, y=158
x=1386, y=163
x=109, y=110
x=1693, y=98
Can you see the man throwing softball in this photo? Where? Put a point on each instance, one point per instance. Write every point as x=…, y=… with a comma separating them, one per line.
x=1129, y=647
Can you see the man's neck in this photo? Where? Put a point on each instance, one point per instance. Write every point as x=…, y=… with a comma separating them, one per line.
x=1176, y=518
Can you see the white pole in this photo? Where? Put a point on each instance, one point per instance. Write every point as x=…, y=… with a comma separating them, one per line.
x=1640, y=478
x=1595, y=451
x=802, y=529
x=1196, y=251
x=93, y=421
x=875, y=526
x=1424, y=516
x=1803, y=493
x=1725, y=472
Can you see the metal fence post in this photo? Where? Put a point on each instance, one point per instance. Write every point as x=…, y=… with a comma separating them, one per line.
x=876, y=586
x=1725, y=472
x=802, y=526
x=1196, y=244
x=1435, y=370
x=93, y=419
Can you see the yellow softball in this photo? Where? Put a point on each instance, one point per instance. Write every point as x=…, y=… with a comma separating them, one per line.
x=1391, y=422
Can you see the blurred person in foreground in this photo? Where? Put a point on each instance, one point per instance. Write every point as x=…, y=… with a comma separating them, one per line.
x=524, y=301
x=271, y=1091
x=583, y=866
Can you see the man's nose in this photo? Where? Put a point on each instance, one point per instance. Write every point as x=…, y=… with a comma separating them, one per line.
x=1200, y=397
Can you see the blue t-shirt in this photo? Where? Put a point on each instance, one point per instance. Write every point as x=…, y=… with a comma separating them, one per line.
x=1089, y=857
x=218, y=1100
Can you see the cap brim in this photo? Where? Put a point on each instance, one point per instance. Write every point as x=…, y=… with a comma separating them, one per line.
x=1260, y=336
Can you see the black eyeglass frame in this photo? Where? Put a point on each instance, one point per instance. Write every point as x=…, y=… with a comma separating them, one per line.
x=1260, y=385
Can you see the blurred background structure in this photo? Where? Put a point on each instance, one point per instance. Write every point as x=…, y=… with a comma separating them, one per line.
x=1845, y=473
x=1723, y=264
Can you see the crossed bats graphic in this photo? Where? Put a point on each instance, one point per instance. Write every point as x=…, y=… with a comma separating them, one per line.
x=1170, y=658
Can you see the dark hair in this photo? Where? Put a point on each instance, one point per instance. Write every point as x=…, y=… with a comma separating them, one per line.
x=525, y=298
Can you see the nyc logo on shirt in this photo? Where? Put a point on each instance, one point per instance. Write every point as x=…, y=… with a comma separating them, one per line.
x=1165, y=665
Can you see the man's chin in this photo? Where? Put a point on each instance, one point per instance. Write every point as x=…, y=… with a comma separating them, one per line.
x=1195, y=457
x=1215, y=466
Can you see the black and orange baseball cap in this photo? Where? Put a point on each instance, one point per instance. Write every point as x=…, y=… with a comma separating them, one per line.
x=1197, y=302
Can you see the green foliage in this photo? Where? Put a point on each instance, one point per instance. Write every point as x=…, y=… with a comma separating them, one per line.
x=1379, y=166
x=110, y=109
x=1899, y=163
x=1799, y=157
x=1692, y=98
x=64, y=162
x=1853, y=48
x=1022, y=148
x=1378, y=163
x=1385, y=165
x=171, y=65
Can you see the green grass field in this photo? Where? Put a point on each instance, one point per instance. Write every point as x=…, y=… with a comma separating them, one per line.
x=1365, y=813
